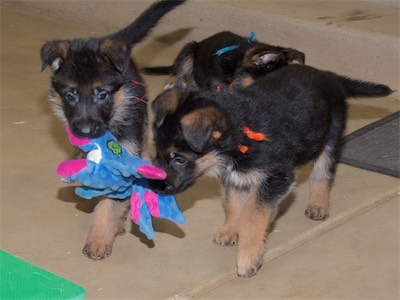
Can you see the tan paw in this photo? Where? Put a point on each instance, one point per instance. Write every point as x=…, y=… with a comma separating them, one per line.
x=248, y=267
x=225, y=237
x=317, y=213
x=97, y=249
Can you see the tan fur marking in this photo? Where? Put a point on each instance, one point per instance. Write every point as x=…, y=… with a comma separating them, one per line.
x=184, y=77
x=134, y=149
x=216, y=134
x=62, y=49
x=227, y=235
x=196, y=117
x=110, y=45
x=198, y=125
x=186, y=73
x=318, y=207
x=171, y=150
x=169, y=101
x=246, y=81
x=106, y=44
x=72, y=84
x=171, y=82
x=205, y=117
x=254, y=221
x=186, y=67
x=109, y=219
x=244, y=180
x=119, y=98
x=206, y=164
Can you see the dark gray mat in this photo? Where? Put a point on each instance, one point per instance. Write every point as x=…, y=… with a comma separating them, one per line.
x=375, y=147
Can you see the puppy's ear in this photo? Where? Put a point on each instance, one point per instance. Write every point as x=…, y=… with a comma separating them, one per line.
x=270, y=57
x=167, y=103
x=202, y=127
x=117, y=53
x=54, y=53
x=292, y=55
x=286, y=56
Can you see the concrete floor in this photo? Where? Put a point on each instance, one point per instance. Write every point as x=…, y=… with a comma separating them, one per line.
x=352, y=255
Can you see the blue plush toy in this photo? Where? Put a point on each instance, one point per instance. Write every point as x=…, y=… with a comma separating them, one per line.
x=109, y=170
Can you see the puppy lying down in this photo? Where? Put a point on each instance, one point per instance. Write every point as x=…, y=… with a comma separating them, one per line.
x=226, y=58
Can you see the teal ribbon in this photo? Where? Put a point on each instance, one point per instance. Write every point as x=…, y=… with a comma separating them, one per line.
x=233, y=47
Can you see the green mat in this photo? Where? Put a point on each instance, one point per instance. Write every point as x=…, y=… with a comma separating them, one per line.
x=20, y=280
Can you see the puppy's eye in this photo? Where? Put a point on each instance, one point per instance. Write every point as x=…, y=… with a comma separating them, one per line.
x=177, y=160
x=180, y=160
x=101, y=95
x=70, y=96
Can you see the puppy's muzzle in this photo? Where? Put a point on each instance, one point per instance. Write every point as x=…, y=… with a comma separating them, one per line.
x=162, y=187
x=87, y=129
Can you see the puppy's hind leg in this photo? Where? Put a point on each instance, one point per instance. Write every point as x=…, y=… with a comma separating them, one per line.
x=320, y=185
x=324, y=169
x=109, y=222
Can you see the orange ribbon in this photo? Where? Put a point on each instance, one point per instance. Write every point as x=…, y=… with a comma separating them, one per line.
x=252, y=135
x=243, y=148
x=257, y=136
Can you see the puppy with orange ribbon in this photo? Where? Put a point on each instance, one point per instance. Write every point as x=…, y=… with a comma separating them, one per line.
x=254, y=139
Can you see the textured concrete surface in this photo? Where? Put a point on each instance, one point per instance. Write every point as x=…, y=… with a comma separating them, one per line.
x=352, y=255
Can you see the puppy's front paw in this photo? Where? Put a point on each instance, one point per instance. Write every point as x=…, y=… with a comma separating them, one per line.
x=247, y=268
x=97, y=249
x=316, y=213
x=225, y=237
x=249, y=259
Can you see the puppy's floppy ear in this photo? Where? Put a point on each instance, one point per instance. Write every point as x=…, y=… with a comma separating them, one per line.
x=270, y=57
x=54, y=53
x=203, y=126
x=287, y=55
x=117, y=53
x=167, y=103
x=293, y=55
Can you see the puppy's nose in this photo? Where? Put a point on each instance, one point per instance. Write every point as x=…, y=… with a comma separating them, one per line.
x=86, y=130
x=169, y=189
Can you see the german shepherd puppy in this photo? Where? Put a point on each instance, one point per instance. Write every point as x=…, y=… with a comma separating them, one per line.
x=95, y=86
x=226, y=58
x=254, y=139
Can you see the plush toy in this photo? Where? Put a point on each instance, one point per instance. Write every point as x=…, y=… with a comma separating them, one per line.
x=109, y=170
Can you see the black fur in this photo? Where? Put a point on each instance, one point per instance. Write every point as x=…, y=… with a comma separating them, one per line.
x=300, y=110
x=88, y=73
x=95, y=86
x=197, y=64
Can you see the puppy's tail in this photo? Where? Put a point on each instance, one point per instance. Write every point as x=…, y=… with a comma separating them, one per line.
x=138, y=29
x=358, y=88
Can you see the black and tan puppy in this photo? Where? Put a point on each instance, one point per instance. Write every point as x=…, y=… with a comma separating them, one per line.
x=226, y=58
x=95, y=86
x=253, y=140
